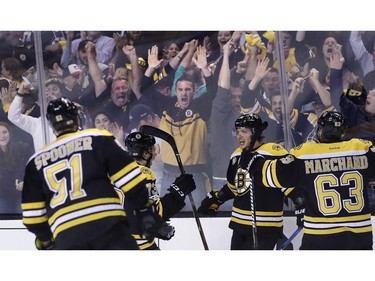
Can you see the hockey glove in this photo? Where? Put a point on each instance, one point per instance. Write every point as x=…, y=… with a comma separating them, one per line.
x=149, y=221
x=166, y=232
x=210, y=204
x=249, y=159
x=44, y=245
x=299, y=211
x=182, y=186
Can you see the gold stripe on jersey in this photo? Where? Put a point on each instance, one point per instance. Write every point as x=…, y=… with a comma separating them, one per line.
x=338, y=230
x=121, y=196
x=70, y=221
x=143, y=243
x=126, y=170
x=263, y=218
x=232, y=187
x=293, y=116
x=269, y=178
x=128, y=177
x=339, y=219
x=326, y=225
x=34, y=220
x=256, y=108
x=83, y=205
x=34, y=213
x=33, y=205
x=287, y=190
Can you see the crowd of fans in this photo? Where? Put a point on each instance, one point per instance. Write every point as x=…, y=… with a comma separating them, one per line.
x=193, y=85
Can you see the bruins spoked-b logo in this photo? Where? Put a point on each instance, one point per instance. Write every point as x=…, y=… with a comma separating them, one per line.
x=188, y=113
x=242, y=181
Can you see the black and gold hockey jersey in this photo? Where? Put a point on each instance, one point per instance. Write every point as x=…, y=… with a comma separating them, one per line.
x=269, y=202
x=334, y=177
x=68, y=188
x=167, y=206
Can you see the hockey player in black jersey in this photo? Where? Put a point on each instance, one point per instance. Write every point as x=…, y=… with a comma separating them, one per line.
x=142, y=148
x=68, y=198
x=334, y=175
x=268, y=202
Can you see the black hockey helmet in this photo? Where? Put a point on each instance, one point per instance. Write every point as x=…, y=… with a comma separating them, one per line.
x=63, y=115
x=137, y=143
x=252, y=121
x=331, y=126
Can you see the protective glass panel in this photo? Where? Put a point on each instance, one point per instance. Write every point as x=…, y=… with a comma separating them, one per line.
x=192, y=85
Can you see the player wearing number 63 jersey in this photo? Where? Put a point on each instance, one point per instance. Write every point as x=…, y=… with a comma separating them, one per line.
x=333, y=173
x=68, y=198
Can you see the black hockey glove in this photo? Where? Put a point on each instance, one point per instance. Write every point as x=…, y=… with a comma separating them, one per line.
x=299, y=211
x=149, y=221
x=182, y=186
x=45, y=245
x=166, y=232
x=210, y=204
x=249, y=159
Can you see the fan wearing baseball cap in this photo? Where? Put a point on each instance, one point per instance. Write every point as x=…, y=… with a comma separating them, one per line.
x=72, y=79
x=142, y=114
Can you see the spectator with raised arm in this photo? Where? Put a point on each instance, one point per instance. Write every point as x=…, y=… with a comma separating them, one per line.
x=94, y=86
x=185, y=118
x=124, y=93
x=104, y=46
x=226, y=108
x=362, y=55
x=321, y=64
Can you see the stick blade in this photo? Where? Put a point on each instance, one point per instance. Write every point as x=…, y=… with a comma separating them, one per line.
x=156, y=132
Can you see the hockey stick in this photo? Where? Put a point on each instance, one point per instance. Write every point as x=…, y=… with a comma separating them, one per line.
x=153, y=131
x=252, y=191
x=252, y=201
x=287, y=242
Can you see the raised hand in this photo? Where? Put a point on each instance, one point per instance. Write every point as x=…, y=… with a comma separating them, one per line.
x=153, y=60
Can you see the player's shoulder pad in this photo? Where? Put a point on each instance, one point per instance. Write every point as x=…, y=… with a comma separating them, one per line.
x=272, y=149
x=96, y=132
x=146, y=170
x=235, y=156
x=237, y=152
x=361, y=144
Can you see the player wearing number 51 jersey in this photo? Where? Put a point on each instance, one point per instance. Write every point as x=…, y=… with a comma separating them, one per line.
x=334, y=175
x=68, y=198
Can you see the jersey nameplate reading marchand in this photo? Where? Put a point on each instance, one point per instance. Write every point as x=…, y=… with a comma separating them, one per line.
x=336, y=164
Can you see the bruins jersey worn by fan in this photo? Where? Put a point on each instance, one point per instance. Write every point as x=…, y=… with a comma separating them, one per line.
x=68, y=195
x=142, y=148
x=334, y=176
